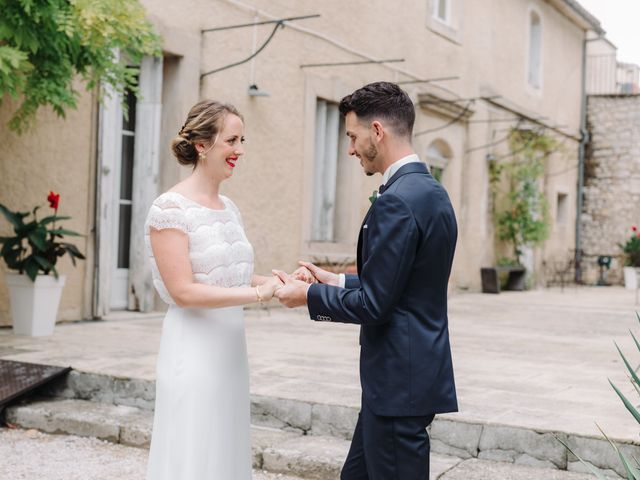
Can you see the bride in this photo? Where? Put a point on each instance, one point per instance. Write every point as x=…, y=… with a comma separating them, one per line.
x=202, y=266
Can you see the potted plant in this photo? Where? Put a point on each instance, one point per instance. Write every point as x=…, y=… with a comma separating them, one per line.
x=631, y=250
x=518, y=204
x=32, y=252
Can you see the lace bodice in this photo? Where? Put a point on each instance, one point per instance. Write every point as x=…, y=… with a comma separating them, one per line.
x=219, y=250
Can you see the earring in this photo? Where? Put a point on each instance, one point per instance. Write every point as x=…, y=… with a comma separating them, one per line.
x=201, y=156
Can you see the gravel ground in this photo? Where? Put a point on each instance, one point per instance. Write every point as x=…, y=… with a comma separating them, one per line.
x=32, y=455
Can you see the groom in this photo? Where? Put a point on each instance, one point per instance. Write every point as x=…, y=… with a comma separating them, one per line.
x=399, y=297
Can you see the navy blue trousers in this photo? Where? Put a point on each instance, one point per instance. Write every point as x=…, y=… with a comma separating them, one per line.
x=388, y=448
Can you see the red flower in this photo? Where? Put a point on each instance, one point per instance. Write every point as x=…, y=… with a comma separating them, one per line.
x=638, y=235
x=634, y=229
x=54, y=200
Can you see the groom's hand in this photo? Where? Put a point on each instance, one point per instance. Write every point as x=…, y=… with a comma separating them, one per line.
x=304, y=274
x=293, y=293
x=321, y=275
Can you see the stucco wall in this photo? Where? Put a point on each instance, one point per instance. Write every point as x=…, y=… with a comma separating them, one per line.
x=488, y=52
x=612, y=181
x=58, y=155
x=486, y=48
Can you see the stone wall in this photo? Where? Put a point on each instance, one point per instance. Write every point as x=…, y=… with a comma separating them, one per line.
x=612, y=181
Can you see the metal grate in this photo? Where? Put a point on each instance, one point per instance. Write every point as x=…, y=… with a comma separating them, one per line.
x=19, y=378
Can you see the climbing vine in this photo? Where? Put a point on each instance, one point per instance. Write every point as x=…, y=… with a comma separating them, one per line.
x=520, y=209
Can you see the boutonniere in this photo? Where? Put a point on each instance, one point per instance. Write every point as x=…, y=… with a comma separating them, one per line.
x=373, y=197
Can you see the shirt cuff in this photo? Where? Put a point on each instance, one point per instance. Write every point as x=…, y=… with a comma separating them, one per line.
x=341, y=280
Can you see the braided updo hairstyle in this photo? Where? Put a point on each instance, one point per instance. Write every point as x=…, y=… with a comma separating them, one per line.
x=204, y=121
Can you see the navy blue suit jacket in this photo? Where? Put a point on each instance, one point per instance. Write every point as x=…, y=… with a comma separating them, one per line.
x=399, y=297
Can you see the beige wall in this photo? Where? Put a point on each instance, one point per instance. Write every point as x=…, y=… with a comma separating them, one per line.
x=486, y=47
x=56, y=155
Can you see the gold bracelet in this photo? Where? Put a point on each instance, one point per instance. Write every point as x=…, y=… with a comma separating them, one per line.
x=260, y=299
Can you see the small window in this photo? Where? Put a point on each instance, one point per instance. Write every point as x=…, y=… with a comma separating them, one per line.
x=442, y=10
x=535, y=51
x=438, y=156
x=562, y=209
x=331, y=190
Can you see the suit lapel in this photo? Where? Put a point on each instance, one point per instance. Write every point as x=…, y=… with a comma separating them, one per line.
x=359, y=250
x=413, y=167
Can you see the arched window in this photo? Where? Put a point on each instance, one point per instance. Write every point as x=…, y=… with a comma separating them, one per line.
x=535, y=51
x=438, y=156
x=442, y=10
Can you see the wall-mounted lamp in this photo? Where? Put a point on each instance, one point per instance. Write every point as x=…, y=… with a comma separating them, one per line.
x=490, y=157
x=254, y=91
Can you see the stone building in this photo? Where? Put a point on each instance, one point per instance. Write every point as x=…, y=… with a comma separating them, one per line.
x=612, y=181
x=474, y=69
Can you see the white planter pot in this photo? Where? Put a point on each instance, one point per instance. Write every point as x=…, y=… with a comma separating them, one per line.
x=34, y=305
x=631, y=277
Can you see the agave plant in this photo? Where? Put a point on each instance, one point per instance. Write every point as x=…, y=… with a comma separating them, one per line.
x=632, y=468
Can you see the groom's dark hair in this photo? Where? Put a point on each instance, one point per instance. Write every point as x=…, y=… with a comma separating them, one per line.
x=383, y=100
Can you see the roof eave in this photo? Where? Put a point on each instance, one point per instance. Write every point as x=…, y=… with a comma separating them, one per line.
x=578, y=15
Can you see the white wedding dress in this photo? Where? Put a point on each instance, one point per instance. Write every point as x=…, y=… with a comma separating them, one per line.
x=201, y=426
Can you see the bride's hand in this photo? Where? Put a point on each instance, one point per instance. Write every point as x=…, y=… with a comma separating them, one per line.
x=304, y=274
x=268, y=288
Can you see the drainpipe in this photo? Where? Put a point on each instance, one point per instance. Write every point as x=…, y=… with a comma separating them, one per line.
x=584, y=138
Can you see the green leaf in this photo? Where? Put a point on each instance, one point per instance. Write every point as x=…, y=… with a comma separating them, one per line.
x=62, y=231
x=634, y=339
x=629, y=367
x=10, y=243
x=39, y=239
x=24, y=229
x=627, y=403
x=31, y=268
x=635, y=386
x=586, y=464
x=14, y=218
x=632, y=472
x=52, y=43
x=46, y=265
x=52, y=218
x=72, y=250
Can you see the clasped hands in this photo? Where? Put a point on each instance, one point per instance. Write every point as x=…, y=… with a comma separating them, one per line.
x=291, y=289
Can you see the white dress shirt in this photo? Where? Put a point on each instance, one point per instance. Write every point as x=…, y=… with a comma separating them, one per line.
x=397, y=165
x=388, y=173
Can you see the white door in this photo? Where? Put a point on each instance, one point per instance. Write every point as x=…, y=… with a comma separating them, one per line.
x=127, y=183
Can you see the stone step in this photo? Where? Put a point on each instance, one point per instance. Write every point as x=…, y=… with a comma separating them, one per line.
x=287, y=452
x=30, y=454
x=449, y=436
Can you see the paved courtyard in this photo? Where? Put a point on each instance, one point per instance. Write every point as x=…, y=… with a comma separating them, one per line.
x=537, y=359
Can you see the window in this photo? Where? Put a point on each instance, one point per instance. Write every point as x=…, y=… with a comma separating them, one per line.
x=438, y=156
x=126, y=181
x=535, y=51
x=331, y=207
x=562, y=209
x=441, y=10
